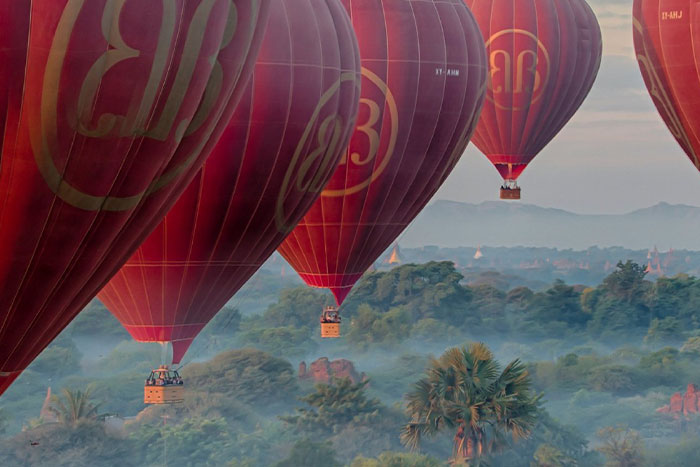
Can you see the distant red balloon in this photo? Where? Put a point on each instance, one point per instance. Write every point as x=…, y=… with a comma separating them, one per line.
x=544, y=56
x=668, y=51
x=280, y=149
x=107, y=108
x=423, y=81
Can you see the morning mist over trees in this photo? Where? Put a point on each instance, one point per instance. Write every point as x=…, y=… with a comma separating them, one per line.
x=349, y=233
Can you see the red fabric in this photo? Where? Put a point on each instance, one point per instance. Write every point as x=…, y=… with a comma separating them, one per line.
x=105, y=115
x=524, y=111
x=667, y=42
x=278, y=151
x=424, y=71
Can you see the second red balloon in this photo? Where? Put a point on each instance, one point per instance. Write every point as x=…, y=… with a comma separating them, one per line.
x=423, y=80
x=543, y=56
x=279, y=150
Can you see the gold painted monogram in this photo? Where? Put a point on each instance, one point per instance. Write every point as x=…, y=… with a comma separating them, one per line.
x=326, y=147
x=516, y=75
x=369, y=128
x=137, y=121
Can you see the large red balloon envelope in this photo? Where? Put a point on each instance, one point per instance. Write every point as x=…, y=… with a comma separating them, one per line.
x=667, y=42
x=107, y=108
x=423, y=80
x=544, y=56
x=280, y=149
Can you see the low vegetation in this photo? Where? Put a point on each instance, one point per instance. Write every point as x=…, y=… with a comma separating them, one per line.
x=567, y=375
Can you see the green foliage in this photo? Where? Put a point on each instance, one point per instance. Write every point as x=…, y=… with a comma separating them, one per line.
x=384, y=329
x=466, y=392
x=310, y=454
x=613, y=378
x=569, y=372
x=219, y=334
x=667, y=365
x=430, y=290
x=130, y=356
x=664, y=331
x=677, y=297
x=121, y=393
x=298, y=308
x=620, y=305
x=262, y=443
x=691, y=346
x=95, y=320
x=560, y=307
x=621, y=447
x=335, y=406
x=87, y=443
x=391, y=379
x=565, y=332
x=567, y=441
x=4, y=421
x=519, y=296
x=248, y=376
x=59, y=359
x=434, y=331
x=287, y=326
x=227, y=322
x=191, y=443
x=73, y=407
x=660, y=360
x=428, y=303
x=683, y=454
x=288, y=340
x=549, y=456
x=428, y=300
x=397, y=459
x=627, y=281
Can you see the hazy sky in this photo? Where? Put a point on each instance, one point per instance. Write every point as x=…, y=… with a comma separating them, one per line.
x=615, y=155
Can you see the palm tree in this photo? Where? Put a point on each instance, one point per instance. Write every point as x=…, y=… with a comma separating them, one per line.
x=465, y=391
x=73, y=407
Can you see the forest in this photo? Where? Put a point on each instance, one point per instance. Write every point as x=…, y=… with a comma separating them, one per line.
x=580, y=371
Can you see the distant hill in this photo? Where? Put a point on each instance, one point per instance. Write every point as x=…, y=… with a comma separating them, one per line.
x=453, y=224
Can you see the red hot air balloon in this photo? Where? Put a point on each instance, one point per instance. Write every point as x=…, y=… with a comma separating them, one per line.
x=107, y=107
x=423, y=81
x=668, y=51
x=544, y=56
x=277, y=153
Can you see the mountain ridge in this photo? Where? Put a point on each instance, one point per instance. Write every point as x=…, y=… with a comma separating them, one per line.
x=518, y=224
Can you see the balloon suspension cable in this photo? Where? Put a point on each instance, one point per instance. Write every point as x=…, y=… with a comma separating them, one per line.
x=234, y=303
x=510, y=184
x=164, y=354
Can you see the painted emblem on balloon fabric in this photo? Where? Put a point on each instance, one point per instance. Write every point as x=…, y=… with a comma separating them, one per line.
x=140, y=120
x=320, y=154
x=372, y=128
x=519, y=69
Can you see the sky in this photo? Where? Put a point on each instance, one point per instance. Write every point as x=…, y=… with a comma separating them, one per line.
x=614, y=156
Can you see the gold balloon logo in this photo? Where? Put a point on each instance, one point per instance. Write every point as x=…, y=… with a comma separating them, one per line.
x=372, y=129
x=519, y=69
x=308, y=172
x=140, y=120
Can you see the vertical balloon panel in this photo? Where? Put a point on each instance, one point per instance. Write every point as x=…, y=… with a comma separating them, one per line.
x=102, y=124
x=423, y=78
x=278, y=151
x=666, y=41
